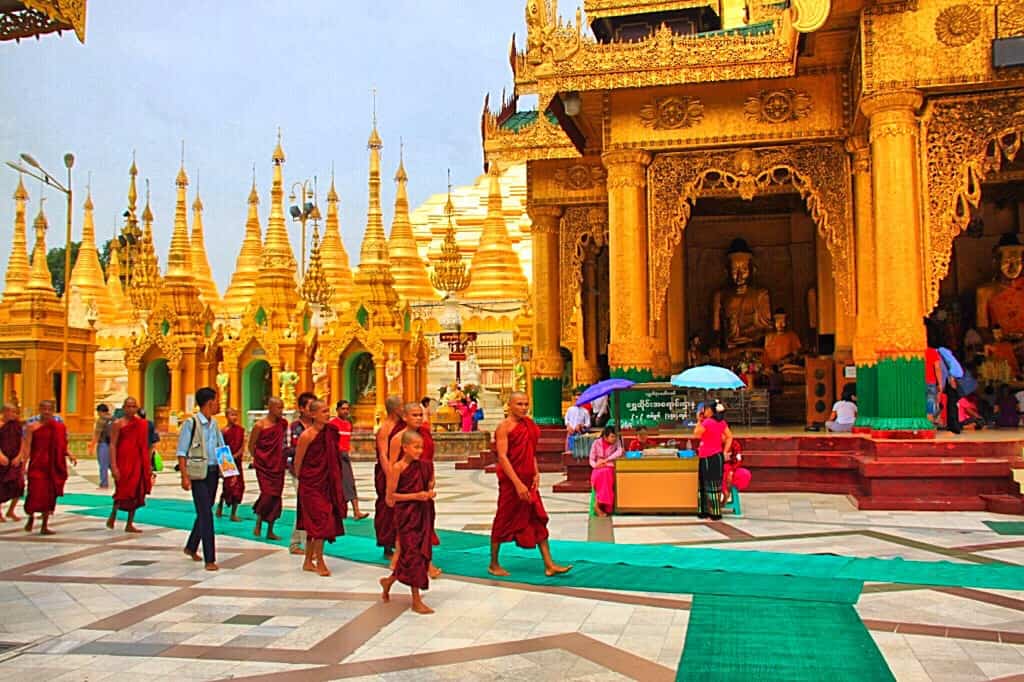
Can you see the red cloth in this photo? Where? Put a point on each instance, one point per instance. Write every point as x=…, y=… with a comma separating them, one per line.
x=414, y=524
x=234, y=486
x=383, y=515
x=321, y=499
x=47, y=468
x=524, y=522
x=134, y=465
x=344, y=427
x=268, y=459
x=12, y=478
x=427, y=464
x=635, y=444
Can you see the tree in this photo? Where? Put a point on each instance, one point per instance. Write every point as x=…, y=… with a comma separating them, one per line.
x=55, y=262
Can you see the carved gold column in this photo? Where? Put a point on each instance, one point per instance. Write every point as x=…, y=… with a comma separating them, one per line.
x=176, y=372
x=235, y=389
x=676, y=312
x=866, y=332
x=546, y=361
x=661, y=364
x=586, y=367
x=631, y=349
x=896, y=197
x=381, y=394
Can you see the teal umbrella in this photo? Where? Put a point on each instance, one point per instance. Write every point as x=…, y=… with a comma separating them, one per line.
x=709, y=378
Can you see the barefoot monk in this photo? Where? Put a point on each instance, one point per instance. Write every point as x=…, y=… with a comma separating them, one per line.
x=45, y=447
x=266, y=445
x=321, y=496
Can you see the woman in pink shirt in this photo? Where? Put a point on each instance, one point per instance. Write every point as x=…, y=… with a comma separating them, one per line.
x=603, y=454
x=715, y=438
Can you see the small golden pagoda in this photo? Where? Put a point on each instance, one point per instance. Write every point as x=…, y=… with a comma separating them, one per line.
x=17, y=263
x=276, y=279
x=334, y=257
x=88, y=288
x=200, y=263
x=407, y=266
x=497, y=273
x=247, y=267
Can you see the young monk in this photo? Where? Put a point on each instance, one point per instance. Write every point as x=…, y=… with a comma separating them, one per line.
x=234, y=486
x=266, y=445
x=45, y=447
x=409, y=491
x=321, y=496
x=383, y=522
x=521, y=516
x=12, y=473
x=413, y=416
x=130, y=464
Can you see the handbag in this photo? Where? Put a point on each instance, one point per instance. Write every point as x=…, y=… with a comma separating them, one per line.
x=197, y=459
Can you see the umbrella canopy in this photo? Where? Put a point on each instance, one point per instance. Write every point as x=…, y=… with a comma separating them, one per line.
x=601, y=389
x=708, y=377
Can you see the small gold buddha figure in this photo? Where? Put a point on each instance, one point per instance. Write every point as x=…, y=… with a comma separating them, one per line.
x=321, y=376
x=781, y=346
x=1001, y=303
x=288, y=379
x=223, y=379
x=742, y=313
x=393, y=373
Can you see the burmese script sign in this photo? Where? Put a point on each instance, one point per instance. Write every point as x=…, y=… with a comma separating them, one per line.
x=652, y=408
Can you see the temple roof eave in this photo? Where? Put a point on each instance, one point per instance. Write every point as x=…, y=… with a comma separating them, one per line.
x=541, y=140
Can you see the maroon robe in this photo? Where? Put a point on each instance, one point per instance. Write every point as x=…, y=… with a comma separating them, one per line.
x=321, y=498
x=414, y=524
x=134, y=465
x=427, y=464
x=268, y=458
x=384, y=516
x=524, y=522
x=47, y=468
x=234, y=486
x=12, y=478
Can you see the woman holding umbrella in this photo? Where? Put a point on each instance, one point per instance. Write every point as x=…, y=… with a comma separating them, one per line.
x=715, y=439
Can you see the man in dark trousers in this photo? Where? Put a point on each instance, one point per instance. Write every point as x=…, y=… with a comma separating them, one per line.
x=198, y=441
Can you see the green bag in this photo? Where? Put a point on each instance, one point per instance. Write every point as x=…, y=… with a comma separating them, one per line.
x=158, y=462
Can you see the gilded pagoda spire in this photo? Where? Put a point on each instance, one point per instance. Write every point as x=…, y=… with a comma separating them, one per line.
x=407, y=267
x=179, y=257
x=247, y=266
x=333, y=255
x=145, y=280
x=276, y=280
x=87, y=275
x=115, y=291
x=17, y=263
x=497, y=272
x=373, y=278
x=200, y=263
x=450, y=275
x=39, y=281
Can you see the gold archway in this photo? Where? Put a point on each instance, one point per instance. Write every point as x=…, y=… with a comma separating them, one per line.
x=581, y=228
x=966, y=138
x=820, y=173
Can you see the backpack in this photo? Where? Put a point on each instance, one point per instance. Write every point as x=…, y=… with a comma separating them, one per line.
x=105, y=432
x=479, y=414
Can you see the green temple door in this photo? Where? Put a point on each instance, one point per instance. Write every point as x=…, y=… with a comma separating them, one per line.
x=156, y=386
x=256, y=387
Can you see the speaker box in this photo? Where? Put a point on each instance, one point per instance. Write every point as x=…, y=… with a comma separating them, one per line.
x=821, y=389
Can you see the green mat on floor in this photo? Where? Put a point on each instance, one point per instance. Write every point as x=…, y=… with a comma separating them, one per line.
x=733, y=638
x=1006, y=527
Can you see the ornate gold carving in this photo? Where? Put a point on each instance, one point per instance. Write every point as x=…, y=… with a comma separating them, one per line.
x=966, y=138
x=1010, y=19
x=43, y=16
x=820, y=173
x=584, y=229
x=540, y=139
x=597, y=9
x=580, y=177
x=670, y=113
x=547, y=37
x=344, y=334
x=167, y=345
x=626, y=168
x=958, y=25
x=546, y=365
x=544, y=218
x=778, y=106
x=810, y=14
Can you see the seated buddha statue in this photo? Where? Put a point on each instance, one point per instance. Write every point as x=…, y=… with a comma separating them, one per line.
x=1001, y=303
x=742, y=312
x=781, y=346
x=1001, y=352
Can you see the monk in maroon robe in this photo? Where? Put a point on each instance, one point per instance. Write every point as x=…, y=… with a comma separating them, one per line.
x=383, y=517
x=46, y=448
x=12, y=472
x=266, y=445
x=130, y=463
x=521, y=516
x=413, y=418
x=409, y=491
x=321, y=495
x=234, y=486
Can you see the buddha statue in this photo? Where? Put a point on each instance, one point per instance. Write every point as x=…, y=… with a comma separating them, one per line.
x=393, y=373
x=223, y=379
x=288, y=379
x=321, y=375
x=781, y=346
x=742, y=313
x=1001, y=303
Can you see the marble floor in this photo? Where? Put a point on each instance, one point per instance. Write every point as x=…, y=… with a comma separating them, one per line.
x=93, y=604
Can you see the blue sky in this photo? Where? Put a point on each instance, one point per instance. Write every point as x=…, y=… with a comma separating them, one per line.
x=223, y=76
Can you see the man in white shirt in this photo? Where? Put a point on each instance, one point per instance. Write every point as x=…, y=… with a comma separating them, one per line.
x=577, y=420
x=844, y=415
x=600, y=408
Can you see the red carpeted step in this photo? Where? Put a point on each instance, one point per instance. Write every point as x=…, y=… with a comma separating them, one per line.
x=1004, y=504
x=920, y=503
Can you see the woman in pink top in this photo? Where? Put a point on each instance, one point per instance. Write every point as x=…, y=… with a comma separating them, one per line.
x=715, y=438
x=603, y=454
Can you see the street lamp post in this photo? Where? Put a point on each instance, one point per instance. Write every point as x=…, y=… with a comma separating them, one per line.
x=43, y=176
x=301, y=211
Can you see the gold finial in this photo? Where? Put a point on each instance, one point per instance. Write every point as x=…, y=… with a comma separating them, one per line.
x=20, y=194
x=332, y=194
x=254, y=197
x=315, y=289
x=147, y=212
x=375, y=141
x=17, y=264
x=278, y=157
x=450, y=274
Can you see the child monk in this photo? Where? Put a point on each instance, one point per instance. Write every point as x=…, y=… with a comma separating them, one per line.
x=130, y=463
x=12, y=473
x=408, y=491
x=322, y=503
x=266, y=445
x=413, y=418
x=234, y=486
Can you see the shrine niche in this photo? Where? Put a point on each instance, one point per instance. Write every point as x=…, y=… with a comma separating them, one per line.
x=583, y=253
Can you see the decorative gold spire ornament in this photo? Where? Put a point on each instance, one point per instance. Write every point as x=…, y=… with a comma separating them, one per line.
x=450, y=274
x=39, y=281
x=17, y=263
x=333, y=255
x=276, y=280
x=179, y=257
x=315, y=290
x=87, y=276
x=247, y=266
x=407, y=267
x=496, y=270
x=130, y=233
x=200, y=263
x=145, y=281
x=115, y=291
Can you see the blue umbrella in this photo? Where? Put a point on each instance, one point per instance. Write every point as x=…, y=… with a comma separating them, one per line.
x=601, y=389
x=708, y=377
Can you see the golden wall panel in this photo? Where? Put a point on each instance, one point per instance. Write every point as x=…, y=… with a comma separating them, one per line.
x=567, y=183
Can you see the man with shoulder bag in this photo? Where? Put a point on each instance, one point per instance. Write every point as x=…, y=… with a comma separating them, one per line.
x=198, y=441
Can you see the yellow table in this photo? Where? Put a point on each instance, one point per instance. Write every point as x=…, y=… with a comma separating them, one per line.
x=656, y=486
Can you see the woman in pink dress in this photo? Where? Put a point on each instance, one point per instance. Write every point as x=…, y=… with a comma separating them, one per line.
x=715, y=438
x=466, y=409
x=603, y=454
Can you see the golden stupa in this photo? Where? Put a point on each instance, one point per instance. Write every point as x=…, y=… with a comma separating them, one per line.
x=87, y=283
x=497, y=273
x=407, y=266
x=247, y=267
x=333, y=256
x=200, y=263
x=17, y=263
x=276, y=284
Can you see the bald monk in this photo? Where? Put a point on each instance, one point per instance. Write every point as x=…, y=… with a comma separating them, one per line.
x=45, y=447
x=234, y=486
x=12, y=473
x=520, y=516
x=130, y=464
x=266, y=445
x=383, y=525
x=322, y=503
x=408, y=491
x=414, y=417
